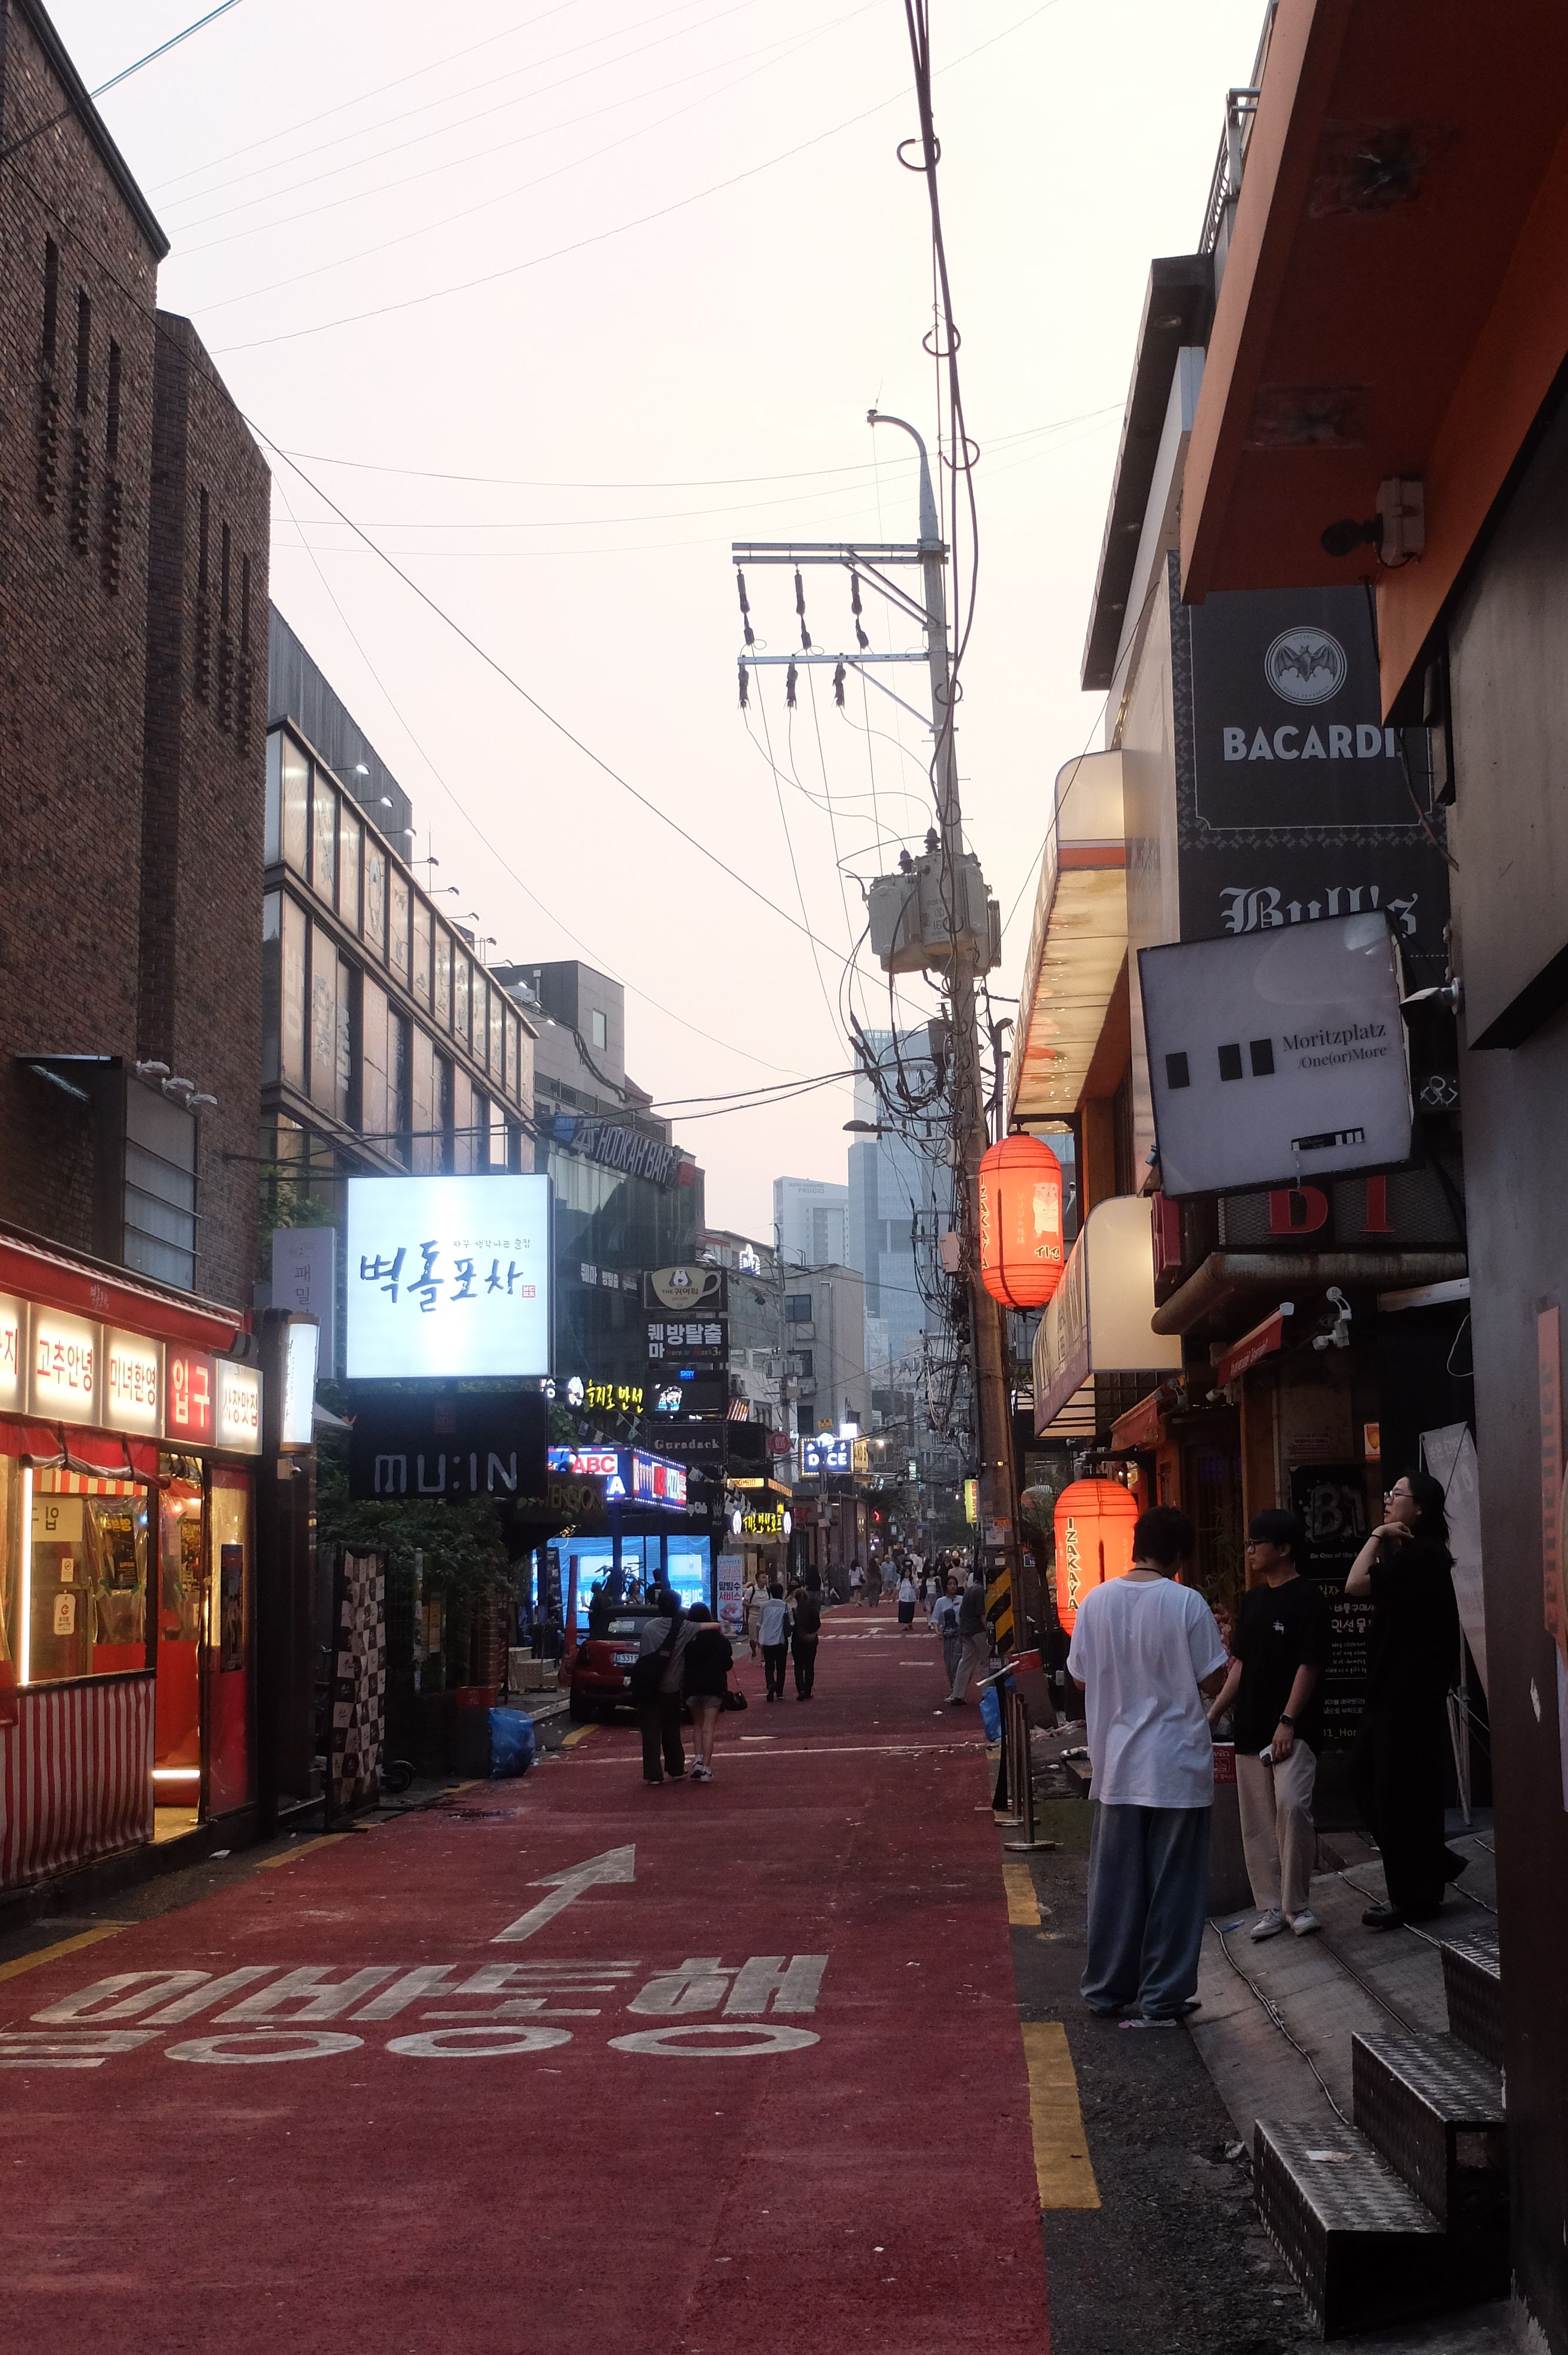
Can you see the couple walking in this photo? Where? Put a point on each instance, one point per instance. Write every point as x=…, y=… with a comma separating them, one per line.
x=697, y=1656
x=790, y=1629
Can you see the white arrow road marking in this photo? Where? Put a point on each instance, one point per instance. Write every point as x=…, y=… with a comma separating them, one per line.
x=617, y=1864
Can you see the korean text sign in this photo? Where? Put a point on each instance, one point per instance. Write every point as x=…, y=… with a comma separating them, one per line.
x=448, y=1277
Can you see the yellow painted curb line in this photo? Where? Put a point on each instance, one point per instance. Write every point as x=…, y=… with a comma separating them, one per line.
x=1022, y=1904
x=292, y=1855
x=578, y=1733
x=61, y=1946
x=1062, y=2168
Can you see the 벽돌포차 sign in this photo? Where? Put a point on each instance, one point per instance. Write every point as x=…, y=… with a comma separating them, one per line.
x=1277, y=1058
x=448, y=1277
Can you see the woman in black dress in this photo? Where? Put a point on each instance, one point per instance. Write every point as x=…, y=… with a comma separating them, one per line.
x=1402, y=1756
x=705, y=1666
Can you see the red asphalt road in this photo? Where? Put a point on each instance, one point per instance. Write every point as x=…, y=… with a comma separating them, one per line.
x=871, y=2190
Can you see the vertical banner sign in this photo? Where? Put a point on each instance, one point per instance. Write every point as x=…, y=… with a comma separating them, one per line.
x=728, y=1578
x=358, y=1683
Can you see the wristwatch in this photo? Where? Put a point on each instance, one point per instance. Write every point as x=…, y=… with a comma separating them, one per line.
x=1286, y=1720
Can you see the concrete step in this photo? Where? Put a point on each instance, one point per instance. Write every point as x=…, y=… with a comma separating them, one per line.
x=1434, y=2109
x=1364, y=2250
x=1472, y=1982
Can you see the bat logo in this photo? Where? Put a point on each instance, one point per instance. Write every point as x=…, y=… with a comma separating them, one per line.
x=1306, y=665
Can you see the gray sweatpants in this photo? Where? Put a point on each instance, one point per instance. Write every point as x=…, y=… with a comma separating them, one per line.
x=1149, y=1885
x=974, y=1659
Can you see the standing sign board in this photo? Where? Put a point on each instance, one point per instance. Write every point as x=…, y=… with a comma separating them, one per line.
x=1331, y=1500
x=729, y=1576
x=1278, y=1058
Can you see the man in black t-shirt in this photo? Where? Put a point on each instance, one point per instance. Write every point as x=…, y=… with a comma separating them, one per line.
x=806, y=1612
x=1281, y=1650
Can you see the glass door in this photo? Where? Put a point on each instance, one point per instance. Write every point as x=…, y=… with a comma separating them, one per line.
x=181, y=1603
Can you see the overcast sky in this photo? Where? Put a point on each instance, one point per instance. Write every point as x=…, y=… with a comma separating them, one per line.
x=638, y=271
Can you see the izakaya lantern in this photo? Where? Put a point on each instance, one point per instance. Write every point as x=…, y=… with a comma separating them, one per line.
x=1094, y=1542
x=1021, y=1250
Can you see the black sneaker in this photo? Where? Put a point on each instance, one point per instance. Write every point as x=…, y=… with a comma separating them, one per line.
x=1382, y=1917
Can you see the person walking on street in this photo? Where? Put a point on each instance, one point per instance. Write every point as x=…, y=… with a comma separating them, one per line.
x=974, y=1642
x=873, y=1586
x=944, y=1622
x=774, y=1632
x=1146, y=1654
x=806, y=1616
x=909, y=1595
x=660, y=1714
x=857, y=1582
x=706, y=1662
x=753, y=1598
x=1279, y=1651
x=1401, y=1760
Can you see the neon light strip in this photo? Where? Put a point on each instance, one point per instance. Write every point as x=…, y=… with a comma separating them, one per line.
x=176, y=1773
x=25, y=1645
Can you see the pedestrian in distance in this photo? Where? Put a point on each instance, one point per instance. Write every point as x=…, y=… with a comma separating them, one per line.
x=753, y=1598
x=974, y=1642
x=1400, y=1762
x=1146, y=1654
x=873, y=1586
x=706, y=1663
x=909, y=1595
x=659, y=1712
x=944, y=1622
x=857, y=1582
x=774, y=1633
x=806, y=1627
x=1279, y=1651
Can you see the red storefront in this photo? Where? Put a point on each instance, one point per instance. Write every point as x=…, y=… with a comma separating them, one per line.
x=129, y=1434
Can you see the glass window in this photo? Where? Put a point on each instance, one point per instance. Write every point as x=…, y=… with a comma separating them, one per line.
x=464, y=1154
x=273, y=824
x=420, y=979
x=294, y=789
x=479, y=1018
x=525, y=1067
x=272, y=930
x=461, y=971
x=509, y=1079
x=497, y=1038
x=441, y=979
x=424, y=1105
x=797, y=1308
x=76, y=1574
x=324, y=836
x=374, y=1118
x=598, y=1030
x=292, y=992
x=499, y=1155
x=350, y=834
x=323, y=1020
x=444, y=1115
x=344, y=1092
x=374, y=895
x=399, y=1060
x=397, y=925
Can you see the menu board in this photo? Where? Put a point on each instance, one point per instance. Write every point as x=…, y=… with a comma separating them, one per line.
x=1331, y=1499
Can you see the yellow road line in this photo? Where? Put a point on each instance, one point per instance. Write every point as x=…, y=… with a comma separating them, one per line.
x=578, y=1733
x=292, y=1855
x=1062, y=2166
x=1022, y=1904
x=61, y=1946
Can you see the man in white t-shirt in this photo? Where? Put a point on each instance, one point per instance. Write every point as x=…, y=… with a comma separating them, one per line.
x=1146, y=1654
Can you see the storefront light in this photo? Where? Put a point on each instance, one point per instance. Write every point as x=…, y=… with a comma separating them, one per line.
x=25, y=1633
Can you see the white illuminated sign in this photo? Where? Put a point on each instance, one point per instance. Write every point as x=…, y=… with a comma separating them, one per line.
x=297, y=1424
x=133, y=1383
x=239, y=1425
x=13, y=1350
x=1277, y=1058
x=448, y=1276
x=63, y=1356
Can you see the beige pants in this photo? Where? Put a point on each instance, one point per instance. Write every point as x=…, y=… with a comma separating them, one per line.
x=1278, y=1835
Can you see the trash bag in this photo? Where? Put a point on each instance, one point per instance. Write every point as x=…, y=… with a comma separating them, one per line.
x=990, y=1713
x=512, y=1742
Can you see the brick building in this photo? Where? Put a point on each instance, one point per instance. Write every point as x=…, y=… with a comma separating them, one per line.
x=152, y=1561
x=133, y=532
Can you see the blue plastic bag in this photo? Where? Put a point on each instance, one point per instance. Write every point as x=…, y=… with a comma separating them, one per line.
x=990, y=1713
x=512, y=1743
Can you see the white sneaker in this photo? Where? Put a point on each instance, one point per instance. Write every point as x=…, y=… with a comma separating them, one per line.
x=702, y=1773
x=1303, y=1923
x=1268, y=1925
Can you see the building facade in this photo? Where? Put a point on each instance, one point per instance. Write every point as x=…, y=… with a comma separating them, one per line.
x=810, y=1221
x=133, y=1411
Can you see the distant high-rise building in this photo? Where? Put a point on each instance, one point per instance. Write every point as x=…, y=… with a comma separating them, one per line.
x=900, y=1196
x=810, y=1221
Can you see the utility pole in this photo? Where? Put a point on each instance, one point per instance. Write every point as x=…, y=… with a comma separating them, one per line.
x=951, y=944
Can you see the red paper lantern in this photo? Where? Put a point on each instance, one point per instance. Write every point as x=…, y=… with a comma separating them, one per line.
x=1095, y=1522
x=1020, y=1247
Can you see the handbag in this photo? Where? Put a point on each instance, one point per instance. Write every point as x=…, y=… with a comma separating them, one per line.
x=734, y=1699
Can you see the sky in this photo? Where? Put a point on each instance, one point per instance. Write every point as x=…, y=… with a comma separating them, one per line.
x=553, y=304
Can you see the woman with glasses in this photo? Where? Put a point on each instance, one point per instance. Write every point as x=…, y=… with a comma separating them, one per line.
x=1400, y=1763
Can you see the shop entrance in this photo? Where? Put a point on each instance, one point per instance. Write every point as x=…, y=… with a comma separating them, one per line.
x=1212, y=1496
x=178, y=1722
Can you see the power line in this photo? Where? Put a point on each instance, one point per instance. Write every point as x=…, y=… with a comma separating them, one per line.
x=163, y=49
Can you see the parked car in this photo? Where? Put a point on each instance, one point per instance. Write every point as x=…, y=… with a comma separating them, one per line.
x=602, y=1672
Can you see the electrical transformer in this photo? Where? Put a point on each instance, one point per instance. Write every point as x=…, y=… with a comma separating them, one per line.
x=923, y=915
